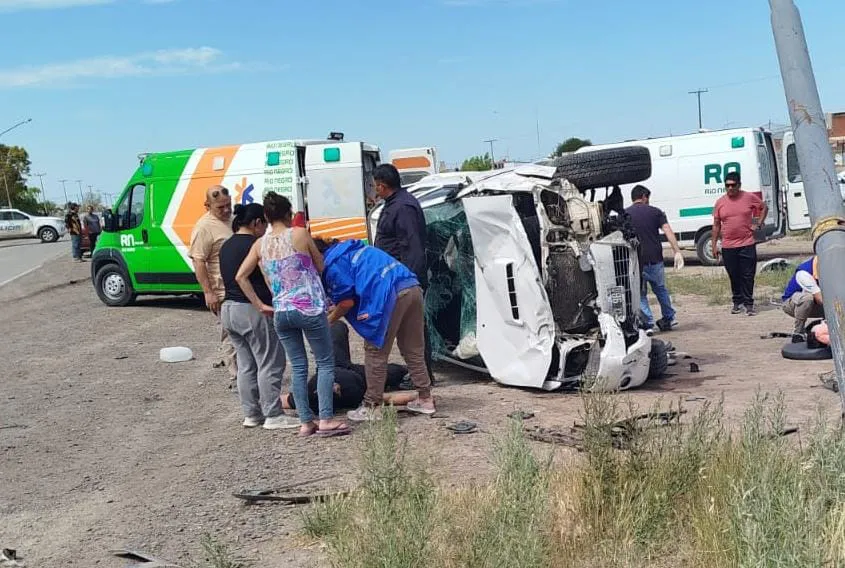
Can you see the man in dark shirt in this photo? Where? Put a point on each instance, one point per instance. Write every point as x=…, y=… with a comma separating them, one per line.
x=401, y=233
x=648, y=221
x=74, y=227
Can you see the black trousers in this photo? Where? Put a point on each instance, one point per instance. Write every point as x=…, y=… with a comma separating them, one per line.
x=741, y=265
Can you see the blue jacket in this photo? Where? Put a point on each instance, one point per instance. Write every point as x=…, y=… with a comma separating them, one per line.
x=807, y=266
x=370, y=277
x=401, y=233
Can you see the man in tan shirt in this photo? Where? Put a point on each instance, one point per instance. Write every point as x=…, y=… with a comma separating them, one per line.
x=208, y=236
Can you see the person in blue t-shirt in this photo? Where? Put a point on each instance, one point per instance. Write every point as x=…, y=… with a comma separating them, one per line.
x=802, y=297
x=382, y=300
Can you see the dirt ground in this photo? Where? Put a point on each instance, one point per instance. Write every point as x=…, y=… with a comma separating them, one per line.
x=102, y=446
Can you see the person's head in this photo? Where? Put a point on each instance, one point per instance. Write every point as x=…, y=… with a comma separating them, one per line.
x=277, y=208
x=249, y=219
x=324, y=244
x=74, y=207
x=733, y=183
x=218, y=202
x=387, y=181
x=640, y=194
x=91, y=209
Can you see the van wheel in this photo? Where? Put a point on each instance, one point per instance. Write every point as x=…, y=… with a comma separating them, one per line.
x=113, y=286
x=704, y=250
x=604, y=168
x=658, y=359
x=48, y=235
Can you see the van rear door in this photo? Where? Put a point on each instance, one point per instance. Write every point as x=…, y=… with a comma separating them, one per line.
x=337, y=205
x=515, y=327
x=797, y=211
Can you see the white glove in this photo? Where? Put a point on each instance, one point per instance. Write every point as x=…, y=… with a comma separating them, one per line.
x=679, y=261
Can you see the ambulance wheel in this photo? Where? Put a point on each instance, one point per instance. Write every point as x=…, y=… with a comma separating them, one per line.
x=114, y=287
x=604, y=168
x=704, y=250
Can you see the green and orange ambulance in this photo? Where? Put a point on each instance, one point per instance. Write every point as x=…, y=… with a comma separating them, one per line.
x=144, y=245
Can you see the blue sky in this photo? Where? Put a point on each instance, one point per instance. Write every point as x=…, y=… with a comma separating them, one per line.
x=106, y=79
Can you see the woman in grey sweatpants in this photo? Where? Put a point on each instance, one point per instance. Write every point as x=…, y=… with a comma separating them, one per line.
x=261, y=358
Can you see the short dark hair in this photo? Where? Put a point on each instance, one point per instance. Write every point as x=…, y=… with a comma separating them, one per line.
x=733, y=176
x=324, y=244
x=246, y=214
x=388, y=175
x=277, y=207
x=639, y=191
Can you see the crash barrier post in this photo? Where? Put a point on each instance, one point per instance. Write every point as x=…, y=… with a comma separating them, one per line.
x=815, y=159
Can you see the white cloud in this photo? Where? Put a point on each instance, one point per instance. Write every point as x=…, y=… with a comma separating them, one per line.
x=147, y=64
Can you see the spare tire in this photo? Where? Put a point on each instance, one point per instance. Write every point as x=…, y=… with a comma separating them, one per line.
x=658, y=359
x=801, y=352
x=592, y=169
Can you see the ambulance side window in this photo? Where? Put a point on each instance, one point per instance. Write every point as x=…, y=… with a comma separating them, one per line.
x=130, y=212
x=793, y=171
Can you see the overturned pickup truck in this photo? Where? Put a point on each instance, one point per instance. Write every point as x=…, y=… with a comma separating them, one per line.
x=535, y=281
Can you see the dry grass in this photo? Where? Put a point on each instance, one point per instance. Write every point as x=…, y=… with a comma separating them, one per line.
x=716, y=287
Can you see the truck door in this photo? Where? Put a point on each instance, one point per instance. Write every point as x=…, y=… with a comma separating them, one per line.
x=797, y=211
x=515, y=326
x=767, y=165
x=132, y=220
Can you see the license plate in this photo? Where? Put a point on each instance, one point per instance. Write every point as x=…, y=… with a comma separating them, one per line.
x=616, y=296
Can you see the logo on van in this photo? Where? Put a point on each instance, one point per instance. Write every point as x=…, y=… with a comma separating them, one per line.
x=127, y=240
x=715, y=174
x=245, y=191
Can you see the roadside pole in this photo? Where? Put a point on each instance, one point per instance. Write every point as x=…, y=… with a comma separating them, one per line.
x=815, y=157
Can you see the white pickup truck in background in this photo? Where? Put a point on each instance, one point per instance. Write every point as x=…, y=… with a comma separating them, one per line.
x=15, y=224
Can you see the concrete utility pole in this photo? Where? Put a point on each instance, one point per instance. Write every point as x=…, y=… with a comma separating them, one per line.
x=492, y=159
x=698, y=93
x=64, y=188
x=815, y=158
x=43, y=195
x=81, y=199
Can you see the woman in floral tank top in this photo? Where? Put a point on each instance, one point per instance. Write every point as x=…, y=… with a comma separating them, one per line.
x=291, y=265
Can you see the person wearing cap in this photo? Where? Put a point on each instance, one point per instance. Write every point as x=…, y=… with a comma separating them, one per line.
x=737, y=215
x=648, y=221
x=802, y=297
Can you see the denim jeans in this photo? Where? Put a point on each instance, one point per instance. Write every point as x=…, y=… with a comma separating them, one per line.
x=653, y=274
x=76, y=245
x=291, y=326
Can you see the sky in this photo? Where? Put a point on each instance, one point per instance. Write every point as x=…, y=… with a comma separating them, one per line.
x=105, y=80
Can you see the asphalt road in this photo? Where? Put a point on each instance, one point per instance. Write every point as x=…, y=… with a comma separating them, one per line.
x=21, y=256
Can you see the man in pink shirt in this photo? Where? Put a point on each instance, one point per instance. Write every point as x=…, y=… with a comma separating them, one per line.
x=736, y=216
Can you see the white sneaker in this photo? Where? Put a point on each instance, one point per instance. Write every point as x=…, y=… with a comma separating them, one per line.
x=281, y=422
x=250, y=422
x=364, y=414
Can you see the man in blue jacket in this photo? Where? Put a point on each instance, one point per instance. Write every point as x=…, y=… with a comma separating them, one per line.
x=382, y=300
x=802, y=297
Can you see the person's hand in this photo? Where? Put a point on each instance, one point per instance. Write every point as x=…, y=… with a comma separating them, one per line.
x=679, y=260
x=332, y=315
x=716, y=252
x=266, y=310
x=212, y=302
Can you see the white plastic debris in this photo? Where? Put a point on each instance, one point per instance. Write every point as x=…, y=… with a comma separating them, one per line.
x=176, y=354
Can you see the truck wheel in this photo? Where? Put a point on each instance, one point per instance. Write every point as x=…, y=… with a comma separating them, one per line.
x=48, y=235
x=658, y=359
x=604, y=168
x=113, y=286
x=704, y=250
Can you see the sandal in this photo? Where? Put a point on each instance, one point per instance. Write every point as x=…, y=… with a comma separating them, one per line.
x=312, y=429
x=337, y=430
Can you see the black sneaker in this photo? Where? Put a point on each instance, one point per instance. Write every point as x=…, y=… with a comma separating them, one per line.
x=737, y=309
x=750, y=310
x=666, y=325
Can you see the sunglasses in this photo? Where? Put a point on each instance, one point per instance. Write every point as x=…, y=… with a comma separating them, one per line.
x=731, y=185
x=216, y=193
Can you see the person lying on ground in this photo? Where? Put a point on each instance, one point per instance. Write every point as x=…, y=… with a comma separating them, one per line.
x=382, y=300
x=350, y=382
x=802, y=297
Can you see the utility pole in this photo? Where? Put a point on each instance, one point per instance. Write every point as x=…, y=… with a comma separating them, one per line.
x=698, y=93
x=492, y=159
x=64, y=188
x=815, y=158
x=81, y=199
x=539, y=149
x=43, y=195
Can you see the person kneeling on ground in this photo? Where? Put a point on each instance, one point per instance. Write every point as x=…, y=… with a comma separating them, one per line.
x=350, y=382
x=383, y=301
x=802, y=297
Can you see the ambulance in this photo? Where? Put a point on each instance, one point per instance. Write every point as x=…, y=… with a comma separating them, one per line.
x=688, y=175
x=144, y=245
x=414, y=163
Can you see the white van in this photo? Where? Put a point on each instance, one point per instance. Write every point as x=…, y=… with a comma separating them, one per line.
x=414, y=163
x=688, y=175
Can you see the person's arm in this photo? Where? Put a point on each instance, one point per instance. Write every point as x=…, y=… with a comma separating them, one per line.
x=673, y=242
x=340, y=309
x=809, y=285
x=717, y=231
x=247, y=267
x=199, y=251
x=764, y=212
x=409, y=231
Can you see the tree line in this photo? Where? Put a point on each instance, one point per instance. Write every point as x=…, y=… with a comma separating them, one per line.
x=484, y=162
